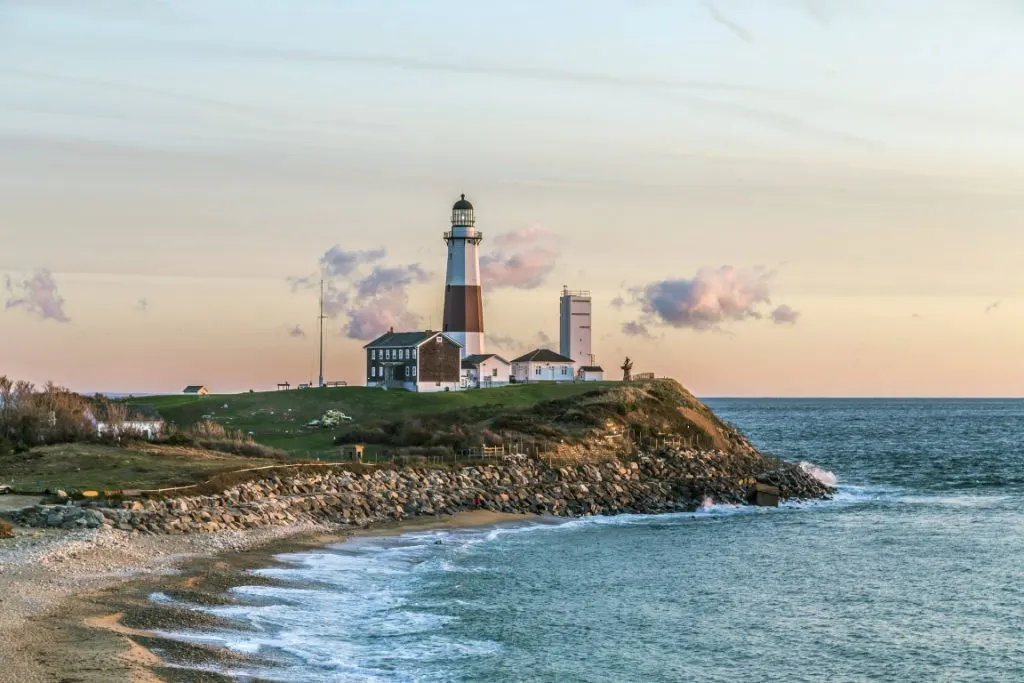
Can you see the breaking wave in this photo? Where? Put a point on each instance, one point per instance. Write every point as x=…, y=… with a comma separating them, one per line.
x=824, y=476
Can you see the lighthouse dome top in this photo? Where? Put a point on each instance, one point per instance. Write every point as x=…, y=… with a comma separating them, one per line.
x=462, y=214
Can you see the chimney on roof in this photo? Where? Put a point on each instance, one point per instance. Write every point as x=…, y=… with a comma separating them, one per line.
x=391, y=330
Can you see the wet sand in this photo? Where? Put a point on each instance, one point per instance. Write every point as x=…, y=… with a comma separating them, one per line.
x=77, y=608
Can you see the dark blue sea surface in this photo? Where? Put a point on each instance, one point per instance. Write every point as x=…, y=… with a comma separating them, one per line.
x=915, y=572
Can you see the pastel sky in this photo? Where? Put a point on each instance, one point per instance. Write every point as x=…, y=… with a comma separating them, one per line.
x=765, y=197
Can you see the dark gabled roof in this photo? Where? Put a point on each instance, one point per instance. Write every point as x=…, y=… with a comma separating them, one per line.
x=193, y=388
x=478, y=358
x=592, y=368
x=543, y=356
x=400, y=339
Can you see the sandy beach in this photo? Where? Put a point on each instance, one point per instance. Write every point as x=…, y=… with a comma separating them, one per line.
x=75, y=607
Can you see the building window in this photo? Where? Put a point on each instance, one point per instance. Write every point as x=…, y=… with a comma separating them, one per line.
x=494, y=372
x=373, y=354
x=413, y=369
x=373, y=371
x=537, y=372
x=414, y=353
x=565, y=370
x=405, y=354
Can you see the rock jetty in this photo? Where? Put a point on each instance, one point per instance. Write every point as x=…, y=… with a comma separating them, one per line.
x=669, y=481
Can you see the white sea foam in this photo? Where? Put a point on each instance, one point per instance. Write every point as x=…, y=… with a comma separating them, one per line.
x=327, y=621
x=824, y=476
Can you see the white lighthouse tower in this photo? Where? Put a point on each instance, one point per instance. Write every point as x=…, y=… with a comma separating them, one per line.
x=463, y=295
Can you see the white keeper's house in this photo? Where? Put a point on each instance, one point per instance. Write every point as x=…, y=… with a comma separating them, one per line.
x=543, y=365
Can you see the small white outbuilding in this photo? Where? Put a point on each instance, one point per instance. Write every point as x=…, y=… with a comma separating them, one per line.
x=543, y=365
x=485, y=370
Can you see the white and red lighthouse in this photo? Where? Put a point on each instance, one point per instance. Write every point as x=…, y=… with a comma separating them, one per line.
x=463, y=294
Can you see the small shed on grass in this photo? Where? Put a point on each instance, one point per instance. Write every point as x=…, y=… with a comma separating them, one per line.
x=196, y=390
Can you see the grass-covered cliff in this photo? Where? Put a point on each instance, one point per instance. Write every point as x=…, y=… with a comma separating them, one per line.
x=602, y=449
x=599, y=421
x=570, y=419
x=561, y=423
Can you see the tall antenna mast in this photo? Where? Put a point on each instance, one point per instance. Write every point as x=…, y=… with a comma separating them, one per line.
x=321, y=318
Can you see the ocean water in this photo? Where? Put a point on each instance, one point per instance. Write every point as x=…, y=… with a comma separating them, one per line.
x=915, y=572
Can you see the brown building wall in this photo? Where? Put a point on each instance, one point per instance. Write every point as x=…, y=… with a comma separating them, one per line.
x=439, y=361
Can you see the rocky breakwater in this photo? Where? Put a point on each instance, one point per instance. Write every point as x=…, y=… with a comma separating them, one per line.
x=663, y=482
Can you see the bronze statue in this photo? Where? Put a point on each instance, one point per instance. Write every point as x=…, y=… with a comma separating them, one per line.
x=627, y=369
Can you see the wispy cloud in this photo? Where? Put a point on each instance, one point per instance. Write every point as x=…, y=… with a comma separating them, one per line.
x=618, y=302
x=737, y=30
x=692, y=93
x=370, y=302
x=297, y=332
x=994, y=306
x=523, y=260
x=336, y=262
x=372, y=318
x=37, y=295
x=519, y=345
x=385, y=278
x=636, y=329
x=785, y=315
x=711, y=298
x=142, y=305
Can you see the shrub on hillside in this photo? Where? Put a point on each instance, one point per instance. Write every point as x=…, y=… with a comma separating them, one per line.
x=209, y=430
x=248, y=449
x=214, y=437
x=32, y=416
x=526, y=423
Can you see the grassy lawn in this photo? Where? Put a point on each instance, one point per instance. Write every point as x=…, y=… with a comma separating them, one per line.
x=91, y=466
x=277, y=418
